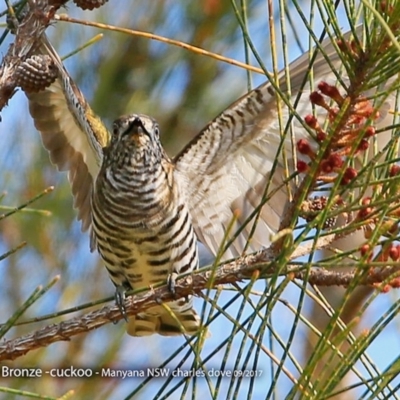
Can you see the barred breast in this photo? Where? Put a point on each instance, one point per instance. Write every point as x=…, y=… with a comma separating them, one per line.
x=142, y=227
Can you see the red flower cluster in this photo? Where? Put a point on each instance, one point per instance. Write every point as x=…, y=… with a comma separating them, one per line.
x=350, y=119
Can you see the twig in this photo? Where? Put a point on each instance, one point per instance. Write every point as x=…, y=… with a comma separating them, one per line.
x=232, y=272
x=152, y=36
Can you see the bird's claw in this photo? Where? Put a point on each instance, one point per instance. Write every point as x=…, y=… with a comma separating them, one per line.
x=120, y=301
x=171, y=280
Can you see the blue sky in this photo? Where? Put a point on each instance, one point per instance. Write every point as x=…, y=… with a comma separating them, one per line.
x=20, y=145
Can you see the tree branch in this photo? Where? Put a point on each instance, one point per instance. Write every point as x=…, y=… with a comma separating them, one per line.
x=232, y=272
x=27, y=40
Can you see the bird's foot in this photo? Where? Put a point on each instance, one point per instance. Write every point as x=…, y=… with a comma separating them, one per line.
x=171, y=283
x=120, y=300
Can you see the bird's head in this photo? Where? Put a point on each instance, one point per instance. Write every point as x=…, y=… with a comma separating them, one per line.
x=135, y=139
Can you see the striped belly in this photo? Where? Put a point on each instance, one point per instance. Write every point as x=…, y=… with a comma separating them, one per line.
x=141, y=225
x=138, y=253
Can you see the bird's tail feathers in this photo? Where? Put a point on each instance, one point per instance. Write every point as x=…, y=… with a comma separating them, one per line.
x=160, y=320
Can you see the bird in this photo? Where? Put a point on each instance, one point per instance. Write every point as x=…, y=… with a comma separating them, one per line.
x=146, y=212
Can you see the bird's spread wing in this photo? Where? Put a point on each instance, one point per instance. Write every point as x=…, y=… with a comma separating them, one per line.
x=227, y=167
x=71, y=132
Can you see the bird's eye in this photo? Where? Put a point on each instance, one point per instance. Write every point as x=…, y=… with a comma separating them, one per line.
x=157, y=131
x=115, y=129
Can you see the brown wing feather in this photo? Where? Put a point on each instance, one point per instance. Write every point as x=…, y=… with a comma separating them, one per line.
x=71, y=132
